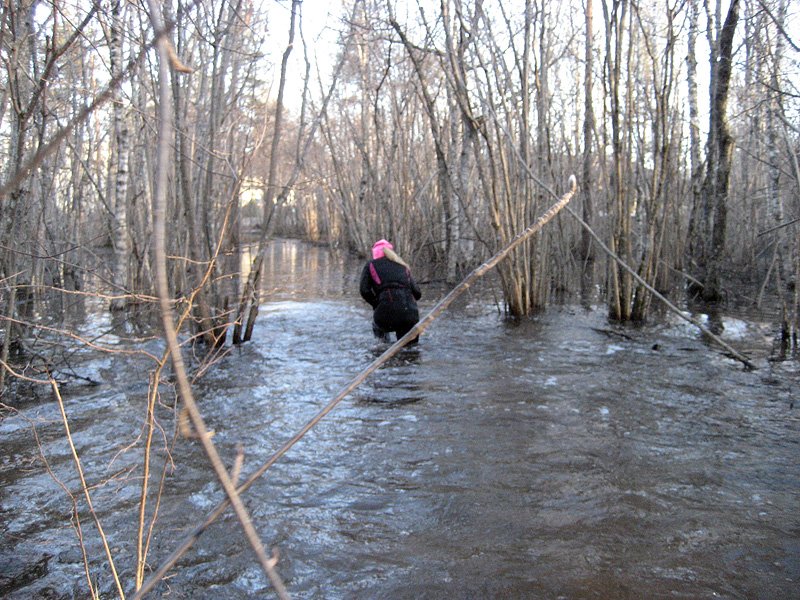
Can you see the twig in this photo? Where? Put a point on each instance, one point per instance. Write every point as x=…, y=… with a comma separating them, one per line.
x=238, y=463
x=23, y=377
x=85, y=489
x=159, y=495
x=776, y=227
x=86, y=342
x=149, y=424
x=75, y=514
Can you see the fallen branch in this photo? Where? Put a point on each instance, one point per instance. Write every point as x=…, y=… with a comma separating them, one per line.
x=718, y=340
x=420, y=327
x=738, y=356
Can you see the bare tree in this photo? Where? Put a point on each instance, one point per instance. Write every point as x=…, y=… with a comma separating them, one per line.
x=620, y=201
x=444, y=178
x=586, y=252
x=121, y=138
x=249, y=302
x=31, y=58
x=707, y=245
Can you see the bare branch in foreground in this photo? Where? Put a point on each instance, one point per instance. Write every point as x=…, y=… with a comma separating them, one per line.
x=165, y=134
x=85, y=489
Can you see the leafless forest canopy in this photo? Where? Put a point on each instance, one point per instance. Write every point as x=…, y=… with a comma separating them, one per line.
x=447, y=127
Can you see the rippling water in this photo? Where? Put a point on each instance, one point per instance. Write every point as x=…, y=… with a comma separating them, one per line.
x=558, y=457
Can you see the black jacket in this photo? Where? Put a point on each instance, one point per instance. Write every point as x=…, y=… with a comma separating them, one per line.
x=380, y=276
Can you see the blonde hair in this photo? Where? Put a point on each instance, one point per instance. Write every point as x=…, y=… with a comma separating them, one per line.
x=392, y=256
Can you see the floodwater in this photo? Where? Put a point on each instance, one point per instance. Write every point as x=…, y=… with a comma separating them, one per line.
x=557, y=457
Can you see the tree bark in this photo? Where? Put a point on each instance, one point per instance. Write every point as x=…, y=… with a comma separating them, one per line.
x=121, y=236
x=719, y=152
x=586, y=251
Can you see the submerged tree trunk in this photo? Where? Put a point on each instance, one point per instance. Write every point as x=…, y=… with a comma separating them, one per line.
x=121, y=235
x=248, y=303
x=586, y=250
x=708, y=244
x=620, y=286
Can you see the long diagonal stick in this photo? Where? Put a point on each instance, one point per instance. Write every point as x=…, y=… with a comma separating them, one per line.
x=722, y=343
x=435, y=312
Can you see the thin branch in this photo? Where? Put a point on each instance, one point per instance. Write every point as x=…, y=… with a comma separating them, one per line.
x=779, y=25
x=75, y=514
x=161, y=178
x=85, y=489
x=107, y=94
x=41, y=85
x=735, y=354
x=776, y=227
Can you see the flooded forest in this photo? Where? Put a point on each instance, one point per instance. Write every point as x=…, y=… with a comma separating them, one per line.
x=599, y=200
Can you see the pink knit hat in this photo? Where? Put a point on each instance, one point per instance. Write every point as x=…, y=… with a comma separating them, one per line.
x=377, y=248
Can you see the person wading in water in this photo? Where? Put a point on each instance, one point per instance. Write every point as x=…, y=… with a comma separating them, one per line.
x=387, y=285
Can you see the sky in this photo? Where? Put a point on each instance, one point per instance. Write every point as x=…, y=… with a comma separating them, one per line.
x=321, y=24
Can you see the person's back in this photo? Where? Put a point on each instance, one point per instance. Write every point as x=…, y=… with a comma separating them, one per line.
x=387, y=285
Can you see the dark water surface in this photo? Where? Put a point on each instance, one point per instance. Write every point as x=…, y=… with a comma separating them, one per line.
x=558, y=457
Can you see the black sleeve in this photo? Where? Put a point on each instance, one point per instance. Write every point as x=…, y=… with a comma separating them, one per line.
x=366, y=289
x=414, y=287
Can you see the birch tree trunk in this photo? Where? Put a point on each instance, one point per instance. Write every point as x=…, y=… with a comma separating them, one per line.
x=121, y=235
x=586, y=250
x=695, y=162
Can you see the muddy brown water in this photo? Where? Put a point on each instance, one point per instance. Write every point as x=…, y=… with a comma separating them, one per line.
x=558, y=457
